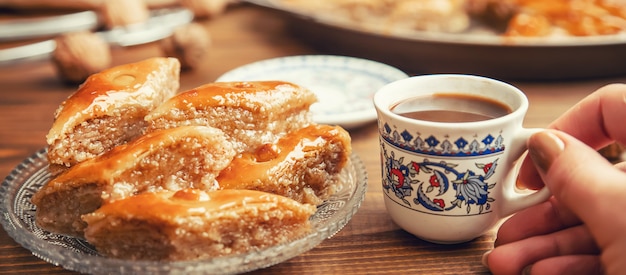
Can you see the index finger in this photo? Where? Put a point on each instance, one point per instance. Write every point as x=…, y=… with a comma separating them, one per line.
x=597, y=121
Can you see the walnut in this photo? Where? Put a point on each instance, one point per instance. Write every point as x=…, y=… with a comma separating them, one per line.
x=80, y=54
x=189, y=43
x=205, y=8
x=118, y=13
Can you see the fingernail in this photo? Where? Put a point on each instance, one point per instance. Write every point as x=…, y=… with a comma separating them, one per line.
x=484, y=259
x=544, y=148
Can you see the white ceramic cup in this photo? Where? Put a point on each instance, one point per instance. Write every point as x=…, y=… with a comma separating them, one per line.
x=451, y=182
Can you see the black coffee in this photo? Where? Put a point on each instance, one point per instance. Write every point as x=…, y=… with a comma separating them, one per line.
x=451, y=107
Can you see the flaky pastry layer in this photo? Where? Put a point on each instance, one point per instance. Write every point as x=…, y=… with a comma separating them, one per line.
x=109, y=108
x=303, y=165
x=172, y=159
x=251, y=113
x=192, y=224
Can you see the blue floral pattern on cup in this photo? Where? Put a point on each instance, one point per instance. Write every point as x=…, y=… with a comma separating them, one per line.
x=471, y=187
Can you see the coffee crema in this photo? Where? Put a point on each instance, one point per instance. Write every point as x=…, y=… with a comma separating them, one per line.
x=451, y=107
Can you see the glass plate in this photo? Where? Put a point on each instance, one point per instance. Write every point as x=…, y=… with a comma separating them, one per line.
x=19, y=222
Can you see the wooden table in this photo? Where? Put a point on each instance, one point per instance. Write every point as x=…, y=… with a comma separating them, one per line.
x=370, y=243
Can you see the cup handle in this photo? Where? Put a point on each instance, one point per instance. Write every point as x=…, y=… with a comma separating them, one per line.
x=515, y=199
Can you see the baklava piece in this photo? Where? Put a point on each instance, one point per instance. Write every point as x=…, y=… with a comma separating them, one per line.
x=172, y=159
x=109, y=108
x=304, y=165
x=251, y=113
x=192, y=224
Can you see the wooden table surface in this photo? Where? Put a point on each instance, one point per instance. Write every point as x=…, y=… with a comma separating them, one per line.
x=369, y=243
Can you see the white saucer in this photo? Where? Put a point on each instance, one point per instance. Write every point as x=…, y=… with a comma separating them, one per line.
x=344, y=85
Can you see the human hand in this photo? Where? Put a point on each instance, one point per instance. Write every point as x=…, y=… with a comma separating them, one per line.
x=581, y=229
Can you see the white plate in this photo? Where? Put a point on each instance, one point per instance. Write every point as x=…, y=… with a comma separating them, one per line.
x=344, y=85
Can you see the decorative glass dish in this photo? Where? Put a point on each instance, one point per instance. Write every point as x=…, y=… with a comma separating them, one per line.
x=28, y=177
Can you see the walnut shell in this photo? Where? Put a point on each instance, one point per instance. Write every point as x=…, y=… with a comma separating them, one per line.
x=205, y=8
x=80, y=54
x=117, y=13
x=189, y=43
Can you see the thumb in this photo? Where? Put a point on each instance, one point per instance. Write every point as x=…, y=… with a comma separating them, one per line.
x=583, y=181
